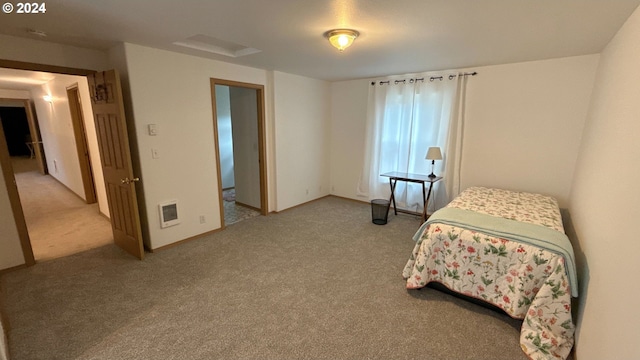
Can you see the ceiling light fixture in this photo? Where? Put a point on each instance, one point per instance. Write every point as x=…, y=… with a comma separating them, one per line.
x=341, y=38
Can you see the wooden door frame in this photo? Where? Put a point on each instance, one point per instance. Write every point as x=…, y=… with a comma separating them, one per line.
x=262, y=151
x=82, y=146
x=14, y=199
x=10, y=180
x=7, y=168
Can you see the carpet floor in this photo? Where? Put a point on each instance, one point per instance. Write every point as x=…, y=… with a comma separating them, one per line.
x=316, y=282
x=58, y=221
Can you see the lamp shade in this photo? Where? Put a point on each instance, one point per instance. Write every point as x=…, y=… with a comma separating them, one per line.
x=434, y=153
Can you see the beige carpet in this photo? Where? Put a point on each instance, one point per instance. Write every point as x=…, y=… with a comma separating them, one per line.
x=316, y=282
x=59, y=222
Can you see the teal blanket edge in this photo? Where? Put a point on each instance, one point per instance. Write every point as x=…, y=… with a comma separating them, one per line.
x=532, y=234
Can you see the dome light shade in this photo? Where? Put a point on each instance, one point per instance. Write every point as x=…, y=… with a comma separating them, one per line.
x=341, y=38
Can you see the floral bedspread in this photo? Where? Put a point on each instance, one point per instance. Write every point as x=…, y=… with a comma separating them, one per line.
x=520, y=206
x=527, y=282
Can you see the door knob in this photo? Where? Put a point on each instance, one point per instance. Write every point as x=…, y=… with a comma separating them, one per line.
x=128, y=181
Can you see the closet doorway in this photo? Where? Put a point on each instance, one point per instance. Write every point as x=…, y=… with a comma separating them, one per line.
x=238, y=112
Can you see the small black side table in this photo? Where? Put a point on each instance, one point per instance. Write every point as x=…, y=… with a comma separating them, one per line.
x=395, y=176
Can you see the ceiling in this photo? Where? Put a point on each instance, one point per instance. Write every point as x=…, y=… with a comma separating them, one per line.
x=396, y=37
x=22, y=80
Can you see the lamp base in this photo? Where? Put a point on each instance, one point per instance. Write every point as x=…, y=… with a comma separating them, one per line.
x=433, y=164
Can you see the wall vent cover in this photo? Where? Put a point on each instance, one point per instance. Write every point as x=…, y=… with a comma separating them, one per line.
x=169, y=213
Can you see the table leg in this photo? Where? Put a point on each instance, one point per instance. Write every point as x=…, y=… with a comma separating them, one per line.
x=424, y=204
x=425, y=215
x=392, y=199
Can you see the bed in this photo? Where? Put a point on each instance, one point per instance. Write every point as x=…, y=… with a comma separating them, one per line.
x=508, y=249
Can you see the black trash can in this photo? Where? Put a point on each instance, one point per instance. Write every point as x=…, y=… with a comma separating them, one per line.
x=379, y=211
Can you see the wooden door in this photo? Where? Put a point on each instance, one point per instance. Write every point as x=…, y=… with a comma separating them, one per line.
x=115, y=155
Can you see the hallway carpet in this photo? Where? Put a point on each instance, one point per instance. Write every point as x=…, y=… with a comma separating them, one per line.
x=59, y=222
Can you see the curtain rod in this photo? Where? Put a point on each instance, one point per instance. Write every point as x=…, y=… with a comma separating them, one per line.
x=431, y=79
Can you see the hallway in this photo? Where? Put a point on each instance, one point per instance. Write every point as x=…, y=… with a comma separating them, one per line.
x=59, y=222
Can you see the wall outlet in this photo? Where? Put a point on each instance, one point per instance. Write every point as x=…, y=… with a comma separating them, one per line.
x=307, y=191
x=155, y=154
x=202, y=219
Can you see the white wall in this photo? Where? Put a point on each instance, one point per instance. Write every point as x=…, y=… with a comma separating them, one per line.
x=173, y=91
x=604, y=205
x=522, y=128
x=26, y=50
x=348, y=126
x=524, y=123
x=43, y=52
x=225, y=136
x=56, y=128
x=56, y=131
x=302, y=111
x=246, y=155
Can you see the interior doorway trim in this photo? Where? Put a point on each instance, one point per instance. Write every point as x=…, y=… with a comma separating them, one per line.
x=22, y=65
x=82, y=146
x=262, y=151
x=14, y=199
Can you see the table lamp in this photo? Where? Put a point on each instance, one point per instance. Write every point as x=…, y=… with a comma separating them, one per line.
x=433, y=154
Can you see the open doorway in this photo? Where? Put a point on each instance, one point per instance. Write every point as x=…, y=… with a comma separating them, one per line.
x=61, y=210
x=239, y=131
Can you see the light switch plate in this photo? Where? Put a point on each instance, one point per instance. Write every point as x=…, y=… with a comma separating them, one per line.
x=153, y=129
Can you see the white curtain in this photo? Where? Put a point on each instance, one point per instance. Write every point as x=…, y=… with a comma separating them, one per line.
x=404, y=119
